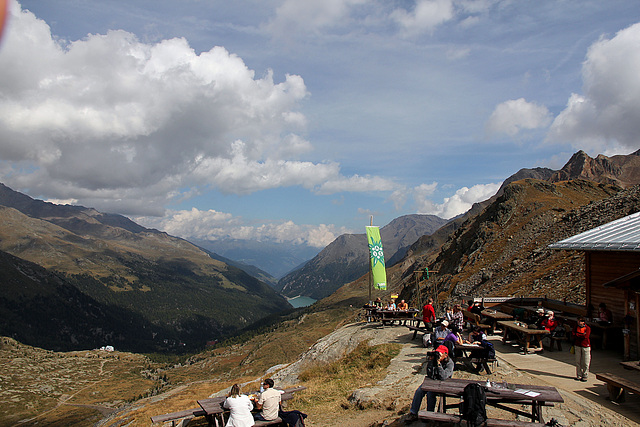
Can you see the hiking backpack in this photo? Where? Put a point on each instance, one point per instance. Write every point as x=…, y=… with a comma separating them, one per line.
x=473, y=406
x=490, y=352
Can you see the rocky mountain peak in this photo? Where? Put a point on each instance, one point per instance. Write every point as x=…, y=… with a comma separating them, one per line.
x=618, y=170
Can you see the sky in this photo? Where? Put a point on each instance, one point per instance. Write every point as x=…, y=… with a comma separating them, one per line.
x=297, y=121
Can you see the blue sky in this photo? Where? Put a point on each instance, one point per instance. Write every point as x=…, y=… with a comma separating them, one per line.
x=296, y=120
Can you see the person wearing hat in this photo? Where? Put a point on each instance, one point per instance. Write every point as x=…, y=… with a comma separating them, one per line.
x=439, y=367
x=549, y=324
x=538, y=324
x=440, y=333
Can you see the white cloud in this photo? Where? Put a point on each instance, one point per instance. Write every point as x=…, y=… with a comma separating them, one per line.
x=455, y=205
x=125, y=126
x=514, y=115
x=214, y=225
x=607, y=116
x=310, y=16
x=425, y=17
x=356, y=183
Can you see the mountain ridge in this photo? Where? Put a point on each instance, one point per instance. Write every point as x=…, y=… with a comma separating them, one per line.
x=172, y=285
x=347, y=257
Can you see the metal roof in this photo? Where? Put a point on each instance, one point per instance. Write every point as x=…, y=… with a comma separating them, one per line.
x=620, y=235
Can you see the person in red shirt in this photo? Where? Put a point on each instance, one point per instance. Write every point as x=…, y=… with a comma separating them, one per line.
x=428, y=314
x=550, y=322
x=582, y=346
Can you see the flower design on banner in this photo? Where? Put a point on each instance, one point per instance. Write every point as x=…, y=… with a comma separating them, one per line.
x=377, y=254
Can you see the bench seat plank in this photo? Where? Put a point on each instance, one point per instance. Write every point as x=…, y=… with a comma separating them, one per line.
x=195, y=412
x=617, y=386
x=457, y=419
x=268, y=423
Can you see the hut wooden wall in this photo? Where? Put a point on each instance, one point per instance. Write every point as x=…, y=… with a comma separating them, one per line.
x=605, y=266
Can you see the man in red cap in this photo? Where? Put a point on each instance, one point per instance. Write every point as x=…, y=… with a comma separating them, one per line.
x=439, y=367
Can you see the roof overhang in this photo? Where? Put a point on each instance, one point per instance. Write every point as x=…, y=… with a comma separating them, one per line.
x=620, y=235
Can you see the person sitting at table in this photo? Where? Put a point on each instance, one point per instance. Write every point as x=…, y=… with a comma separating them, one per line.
x=476, y=336
x=240, y=407
x=550, y=323
x=403, y=306
x=378, y=303
x=537, y=323
x=470, y=305
x=605, y=316
x=268, y=403
x=457, y=318
x=455, y=338
x=440, y=333
x=477, y=308
x=428, y=314
x=439, y=367
x=391, y=306
x=448, y=314
x=582, y=347
x=540, y=317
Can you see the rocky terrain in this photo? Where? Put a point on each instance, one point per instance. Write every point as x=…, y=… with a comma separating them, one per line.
x=503, y=250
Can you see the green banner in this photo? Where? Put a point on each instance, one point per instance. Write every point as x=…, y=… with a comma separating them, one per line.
x=378, y=271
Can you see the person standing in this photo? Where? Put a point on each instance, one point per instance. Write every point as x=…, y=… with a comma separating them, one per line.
x=428, y=314
x=457, y=318
x=269, y=402
x=582, y=346
x=240, y=408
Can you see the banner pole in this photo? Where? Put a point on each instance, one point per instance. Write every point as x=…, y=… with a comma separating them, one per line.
x=370, y=275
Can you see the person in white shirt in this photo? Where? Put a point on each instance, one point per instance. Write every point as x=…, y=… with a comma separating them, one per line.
x=269, y=402
x=240, y=408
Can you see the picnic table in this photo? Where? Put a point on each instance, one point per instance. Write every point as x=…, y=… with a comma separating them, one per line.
x=371, y=312
x=495, y=316
x=498, y=396
x=634, y=364
x=523, y=333
x=467, y=359
x=212, y=409
x=397, y=315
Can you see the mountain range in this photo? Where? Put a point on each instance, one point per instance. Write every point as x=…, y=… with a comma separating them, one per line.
x=338, y=262
x=169, y=292
x=347, y=257
x=274, y=259
x=74, y=278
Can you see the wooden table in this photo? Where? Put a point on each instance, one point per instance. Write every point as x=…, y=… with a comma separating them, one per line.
x=371, y=312
x=214, y=411
x=523, y=332
x=467, y=359
x=399, y=315
x=495, y=316
x=634, y=364
x=497, y=397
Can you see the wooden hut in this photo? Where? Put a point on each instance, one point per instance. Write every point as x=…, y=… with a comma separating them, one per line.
x=612, y=272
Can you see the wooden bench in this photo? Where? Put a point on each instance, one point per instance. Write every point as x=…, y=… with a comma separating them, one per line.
x=475, y=320
x=417, y=329
x=617, y=386
x=481, y=362
x=275, y=422
x=457, y=419
x=174, y=416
